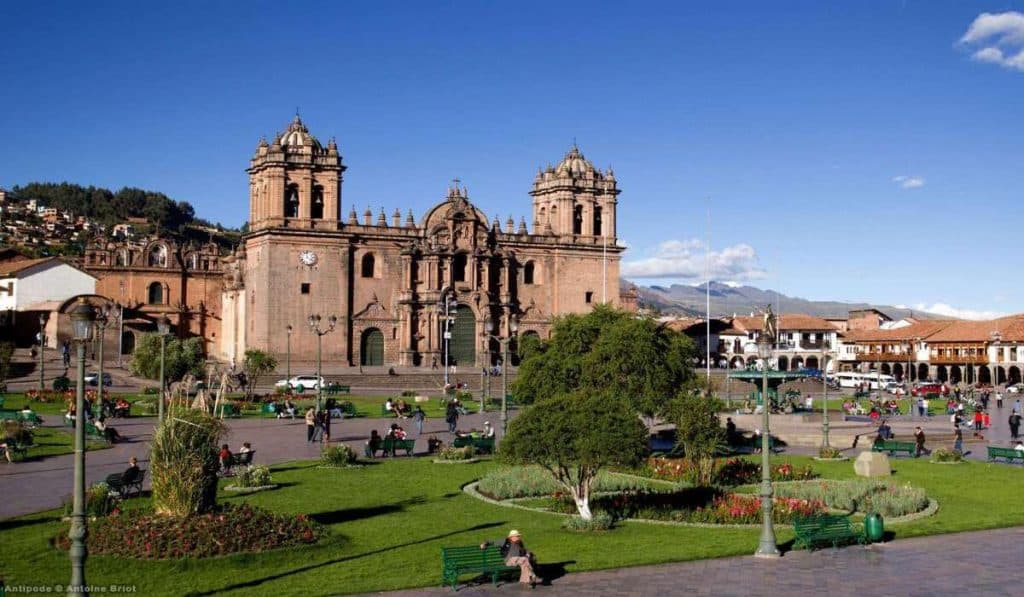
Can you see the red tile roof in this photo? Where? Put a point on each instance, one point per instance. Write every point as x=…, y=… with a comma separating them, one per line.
x=924, y=329
x=787, y=322
x=1008, y=329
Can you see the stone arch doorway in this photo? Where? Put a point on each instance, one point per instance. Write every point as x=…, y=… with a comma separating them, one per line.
x=1013, y=375
x=941, y=374
x=797, y=363
x=462, y=346
x=922, y=371
x=1000, y=375
x=783, y=364
x=954, y=374
x=371, y=348
x=984, y=376
x=897, y=372
x=812, y=362
x=127, y=342
x=886, y=370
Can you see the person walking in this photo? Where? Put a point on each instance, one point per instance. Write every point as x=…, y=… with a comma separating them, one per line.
x=958, y=441
x=920, y=407
x=310, y=425
x=418, y=416
x=325, y=426
x=919, y=443
x=451, y=416
x=1014, y=422
x=999, y=400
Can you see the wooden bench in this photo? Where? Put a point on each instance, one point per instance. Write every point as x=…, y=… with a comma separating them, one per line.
x=390, y=445
x=238, y=459
x=1009, y=454
x=893, y=446
x=483, y=445
x=114, y=482
x=812, y=530
x=456, y=561
x=336, y=388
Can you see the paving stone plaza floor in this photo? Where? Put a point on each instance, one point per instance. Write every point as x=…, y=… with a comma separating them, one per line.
x=975, y=563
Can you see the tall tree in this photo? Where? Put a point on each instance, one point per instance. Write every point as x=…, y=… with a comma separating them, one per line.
x=256, y=364
x=575, y=436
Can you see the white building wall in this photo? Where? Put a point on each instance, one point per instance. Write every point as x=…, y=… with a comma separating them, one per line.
x=52, y=281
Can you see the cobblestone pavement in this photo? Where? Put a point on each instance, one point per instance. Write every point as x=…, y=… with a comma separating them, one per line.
x=976, y=563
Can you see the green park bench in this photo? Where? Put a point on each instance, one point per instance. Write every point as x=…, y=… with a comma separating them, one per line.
x=826, y=528
x=483, y=445
x=269, y=409
x=337, y=388
x=123, y=489
x=17, y=450
x=390, y=445
x=1009, y=454
x=456, y=561
x=892, y=447
x=29, y=417
x=9, y=415
x=229, y=410
x=91, y=432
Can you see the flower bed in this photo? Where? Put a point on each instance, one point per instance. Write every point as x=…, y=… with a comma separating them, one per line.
x=142, y=534
x=692, y=505
x=727, y=473
x=888, y=498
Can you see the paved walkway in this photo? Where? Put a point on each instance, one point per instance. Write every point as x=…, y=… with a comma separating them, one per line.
x=37, y=485
x=976, y=563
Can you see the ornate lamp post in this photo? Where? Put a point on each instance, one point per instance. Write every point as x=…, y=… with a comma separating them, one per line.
x=766, y=548
x=163, y=327
x=448, y=304
x=82, y=316
x=42, y=349
x=105, y=317
x=288, y=361
x=314, y=326
x=824, y=399
x=513, y=327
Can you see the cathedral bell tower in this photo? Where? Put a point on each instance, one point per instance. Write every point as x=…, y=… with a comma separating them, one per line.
x=575, y=199
x=295, y=182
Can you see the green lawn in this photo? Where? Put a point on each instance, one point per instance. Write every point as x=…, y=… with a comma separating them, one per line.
x=54, y=442
x=389, y=520
x=18, y=401
x=370, y=406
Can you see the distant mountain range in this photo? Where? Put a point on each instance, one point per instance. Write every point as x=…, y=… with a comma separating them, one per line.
x=727, y=300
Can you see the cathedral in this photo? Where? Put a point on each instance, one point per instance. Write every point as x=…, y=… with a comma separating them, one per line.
x=397, y=287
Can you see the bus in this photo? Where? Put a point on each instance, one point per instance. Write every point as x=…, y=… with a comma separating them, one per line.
x=873, y=381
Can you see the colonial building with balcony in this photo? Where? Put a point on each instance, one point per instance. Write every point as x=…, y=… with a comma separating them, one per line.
x=804, y=341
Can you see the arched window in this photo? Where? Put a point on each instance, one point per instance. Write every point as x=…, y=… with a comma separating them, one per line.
x=528, y=273
x=291, y=201
x=316, y=211
x=597, y=221
x=158, y=256
x=459, y=267
x=367, y=266
x=156, y=294
x=577, y=219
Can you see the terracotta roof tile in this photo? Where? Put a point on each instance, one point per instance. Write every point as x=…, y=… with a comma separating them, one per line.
x=787, y=322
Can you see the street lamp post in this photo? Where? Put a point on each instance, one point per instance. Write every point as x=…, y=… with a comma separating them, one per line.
x=288, y=362
x=105, y=316
x=42, y=350
x=447, y=303
x=163, y=327
x=766, y=548
x=824, y=399
x=314, y=326
x=82, y=316
x=513, y=327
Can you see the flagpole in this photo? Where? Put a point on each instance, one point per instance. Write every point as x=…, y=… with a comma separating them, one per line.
x=604, y=268
x=707, y=292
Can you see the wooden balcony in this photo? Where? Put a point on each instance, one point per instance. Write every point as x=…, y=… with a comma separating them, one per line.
x=884, y=357
x=980, y=359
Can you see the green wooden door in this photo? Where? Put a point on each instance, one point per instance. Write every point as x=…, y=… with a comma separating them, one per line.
x=372, y=348
x=463, y=342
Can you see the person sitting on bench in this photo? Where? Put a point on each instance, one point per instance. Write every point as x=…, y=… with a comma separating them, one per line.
x=108, y=432
x=226, y=459
x=374, y=443
x=884, y=431
x=514, y=552
x=121, y=408
x=488, y=430
x=131, y=474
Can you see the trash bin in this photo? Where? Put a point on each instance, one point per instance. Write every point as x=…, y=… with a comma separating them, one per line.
x=874, y=527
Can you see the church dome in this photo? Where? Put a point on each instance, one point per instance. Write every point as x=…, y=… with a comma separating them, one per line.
x=574, y=164
x=298, y=135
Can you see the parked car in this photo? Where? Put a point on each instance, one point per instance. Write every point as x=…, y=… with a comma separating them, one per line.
x=930, y=388
x=895, y=388
x=301, y=382
x=92, y=378
x=1015, y=388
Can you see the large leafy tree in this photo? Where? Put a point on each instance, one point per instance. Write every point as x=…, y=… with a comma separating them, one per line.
x=180, y=358
x=610, y=351
x=574, y=436
x=256, y=363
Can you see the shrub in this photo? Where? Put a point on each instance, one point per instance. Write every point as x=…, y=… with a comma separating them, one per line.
x=946, y=455
x=99, y=501
x=184, y=463
x=339, y=455
x=230, y=529
x=61, y=384
x=253, y=476
x=533, y=481
x=887, y=498
x=150, y=390
x=451, y=453
x=601, y=521
x=726, y=473
x=700, y=433
x=464, y=396
x=18, y=432
x=829, y=452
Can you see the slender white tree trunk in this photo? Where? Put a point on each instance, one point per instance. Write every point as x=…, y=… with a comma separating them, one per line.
x=581, y=495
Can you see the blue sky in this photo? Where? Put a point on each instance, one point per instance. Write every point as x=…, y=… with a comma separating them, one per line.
x=849, y=151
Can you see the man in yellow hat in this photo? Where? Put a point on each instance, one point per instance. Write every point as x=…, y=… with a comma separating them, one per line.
x=515, y=553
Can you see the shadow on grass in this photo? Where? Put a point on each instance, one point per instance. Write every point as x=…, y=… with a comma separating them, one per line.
x=10, y=525
x=350, y=514
x=259, y=581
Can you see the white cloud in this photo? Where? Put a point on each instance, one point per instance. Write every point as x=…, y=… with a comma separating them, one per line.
x=950, y=311
x=909, y=182
x=686, y=259
x=999, y=37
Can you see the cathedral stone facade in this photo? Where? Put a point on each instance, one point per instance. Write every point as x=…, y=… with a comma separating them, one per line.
x=390, y=280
